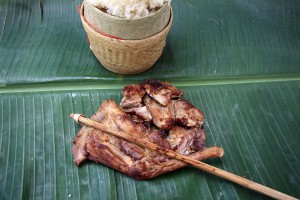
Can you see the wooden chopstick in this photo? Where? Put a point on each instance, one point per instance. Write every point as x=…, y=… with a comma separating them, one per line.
x=198, y=164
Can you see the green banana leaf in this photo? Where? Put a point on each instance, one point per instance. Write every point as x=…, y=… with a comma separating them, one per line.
x=208, y=39
x=238, y=61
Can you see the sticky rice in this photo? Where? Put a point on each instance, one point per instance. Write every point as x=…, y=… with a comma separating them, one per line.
x=129, y=8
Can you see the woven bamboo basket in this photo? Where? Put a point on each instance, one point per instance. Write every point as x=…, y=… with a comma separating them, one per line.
x=128, y=29
x=125, y=56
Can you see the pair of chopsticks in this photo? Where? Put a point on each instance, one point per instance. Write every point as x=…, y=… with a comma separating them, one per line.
x=198, y=164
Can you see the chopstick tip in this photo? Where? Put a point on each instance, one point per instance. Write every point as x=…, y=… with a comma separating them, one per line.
x=221, y=152
x=75, y=117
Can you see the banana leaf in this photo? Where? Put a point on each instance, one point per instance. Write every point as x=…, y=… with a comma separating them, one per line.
x=255, y=123
x=209, y=39
x=238, y=61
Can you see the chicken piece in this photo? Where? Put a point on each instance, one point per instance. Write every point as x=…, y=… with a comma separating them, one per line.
x=163, y=116
x=79, y=149
x=186, y=141
x=159, y=137
x=104, y=148
x=133, y=150
x=162, y=92
x=131, y=103
x=131, y=159
x=187, y=115
x=142, y=112
x=132, y=96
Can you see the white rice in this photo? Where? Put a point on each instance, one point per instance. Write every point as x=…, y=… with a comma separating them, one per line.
x=129, y=8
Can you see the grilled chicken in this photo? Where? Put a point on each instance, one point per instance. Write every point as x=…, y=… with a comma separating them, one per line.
x=177, y=126
x=131, y=103
x=132, y=96
x=126, y=157
x=162, y=92
x=186, y=141
x=139, y=113
x=163, y=116
x=187, y=114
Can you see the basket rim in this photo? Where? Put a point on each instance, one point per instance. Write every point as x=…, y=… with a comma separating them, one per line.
x=124, y=19
x=101, y=33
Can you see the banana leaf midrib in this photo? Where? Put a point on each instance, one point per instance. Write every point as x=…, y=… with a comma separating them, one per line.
x=118, y=84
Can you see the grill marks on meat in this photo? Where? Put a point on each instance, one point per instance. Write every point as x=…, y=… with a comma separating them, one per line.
x=135, y=161
x=186, y=141
x=79, y=149
x=134, y=151
x=139, y=113
x=179, y=126
x=131, y=103
x=159, y=105
x=163, y=116
x=162, y=92
x=132, y=96
x=104, y=149
x=187, y=114
x=158, y=137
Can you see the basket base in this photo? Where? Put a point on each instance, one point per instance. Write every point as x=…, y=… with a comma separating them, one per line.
x=126, y=70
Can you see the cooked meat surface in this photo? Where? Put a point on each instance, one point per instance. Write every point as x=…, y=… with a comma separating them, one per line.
x=132, y=96
x=158, y=137
x=186, y=141
x=174, y=125
x=126, y=157
x=162, y=92
x=133, y=150
x=140, y=112
x=187, y=114
x=163, y=116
